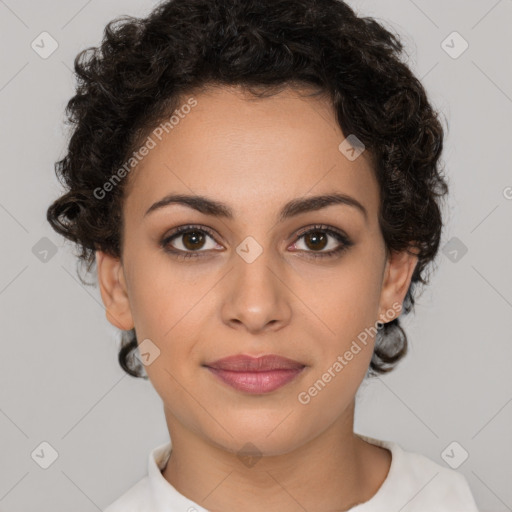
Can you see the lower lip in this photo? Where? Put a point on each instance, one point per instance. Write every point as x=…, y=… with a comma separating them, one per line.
x=256, y=382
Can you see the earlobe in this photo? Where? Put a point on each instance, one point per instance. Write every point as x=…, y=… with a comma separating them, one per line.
x=113, y=291
x=396, y=281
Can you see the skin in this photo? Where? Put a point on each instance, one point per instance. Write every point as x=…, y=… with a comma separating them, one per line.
x=255, y=155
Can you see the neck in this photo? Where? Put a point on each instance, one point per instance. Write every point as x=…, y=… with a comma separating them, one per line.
x=333, y=471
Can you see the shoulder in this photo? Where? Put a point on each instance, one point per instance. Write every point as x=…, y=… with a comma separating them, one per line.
x=437, y=487
x=135, y=499
x=142, y=496
x=418, y=484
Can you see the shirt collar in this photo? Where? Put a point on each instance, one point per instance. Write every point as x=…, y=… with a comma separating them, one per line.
x=165, y=496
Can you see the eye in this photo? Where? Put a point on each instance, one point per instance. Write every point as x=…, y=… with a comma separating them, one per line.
x=316, y=239
x=190, y=240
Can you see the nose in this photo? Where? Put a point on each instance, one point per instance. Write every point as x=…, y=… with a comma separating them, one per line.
x=257, y=297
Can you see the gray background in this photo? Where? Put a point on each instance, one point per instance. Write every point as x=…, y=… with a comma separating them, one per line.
x=59, y=377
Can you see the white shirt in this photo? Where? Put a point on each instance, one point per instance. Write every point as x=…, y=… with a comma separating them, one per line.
x=414, y=484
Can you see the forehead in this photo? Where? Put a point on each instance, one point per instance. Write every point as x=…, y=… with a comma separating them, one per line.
x=250, y=153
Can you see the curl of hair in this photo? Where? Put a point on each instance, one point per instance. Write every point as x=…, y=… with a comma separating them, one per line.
x=145, y=66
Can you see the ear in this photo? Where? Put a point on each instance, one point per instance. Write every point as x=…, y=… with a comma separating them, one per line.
x=397, y=276
x=113, y=291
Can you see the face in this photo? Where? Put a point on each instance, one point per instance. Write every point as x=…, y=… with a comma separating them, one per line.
x=261, y=278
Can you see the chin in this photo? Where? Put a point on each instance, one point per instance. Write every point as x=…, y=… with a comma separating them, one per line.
x=265, y=438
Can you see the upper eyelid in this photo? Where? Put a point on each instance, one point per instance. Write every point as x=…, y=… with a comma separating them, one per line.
x=181, y=230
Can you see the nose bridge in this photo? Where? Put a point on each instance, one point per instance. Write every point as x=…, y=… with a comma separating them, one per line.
x=257, y=296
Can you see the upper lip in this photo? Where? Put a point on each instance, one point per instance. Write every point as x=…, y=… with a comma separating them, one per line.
x=245, y=363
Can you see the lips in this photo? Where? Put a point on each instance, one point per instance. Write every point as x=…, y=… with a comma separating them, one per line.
x=243, y=363
x=255, y=375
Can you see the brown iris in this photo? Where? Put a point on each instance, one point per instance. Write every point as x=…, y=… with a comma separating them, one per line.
x=319, y=240
x=196, y=237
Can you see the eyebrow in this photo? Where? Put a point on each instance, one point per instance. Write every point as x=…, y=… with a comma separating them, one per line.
x=291, y=209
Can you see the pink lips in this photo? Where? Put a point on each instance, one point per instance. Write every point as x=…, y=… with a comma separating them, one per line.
x=256, y=374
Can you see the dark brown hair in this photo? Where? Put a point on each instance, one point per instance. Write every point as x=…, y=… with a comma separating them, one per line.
x=134, y=79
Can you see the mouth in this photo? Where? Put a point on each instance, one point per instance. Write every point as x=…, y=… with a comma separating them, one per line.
x=255, y=375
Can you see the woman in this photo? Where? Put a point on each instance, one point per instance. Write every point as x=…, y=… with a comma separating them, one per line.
x=258, y=184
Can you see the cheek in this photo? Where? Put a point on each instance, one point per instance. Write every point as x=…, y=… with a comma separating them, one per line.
x=349, y=309
x=168, y=307
x=160, y=293
x=346, y=301
x=168, y=312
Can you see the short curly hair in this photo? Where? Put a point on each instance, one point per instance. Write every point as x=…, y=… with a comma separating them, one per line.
x=144, y=66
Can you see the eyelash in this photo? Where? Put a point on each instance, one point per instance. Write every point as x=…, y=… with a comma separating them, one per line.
x=178, y=253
